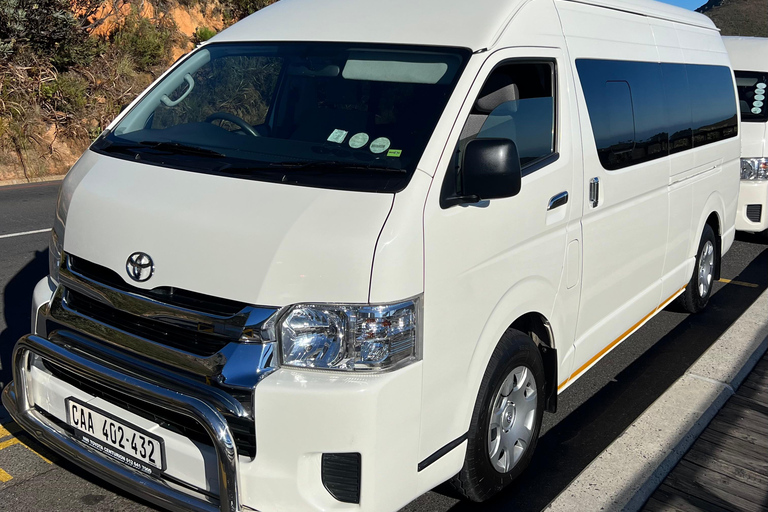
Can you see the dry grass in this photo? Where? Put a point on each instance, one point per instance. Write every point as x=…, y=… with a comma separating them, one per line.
x=49, y=115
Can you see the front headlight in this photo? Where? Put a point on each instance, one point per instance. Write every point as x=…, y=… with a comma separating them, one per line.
x=754, y=168
x=351, y=337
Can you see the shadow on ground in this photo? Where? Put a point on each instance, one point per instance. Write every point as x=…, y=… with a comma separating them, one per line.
x=17, y=300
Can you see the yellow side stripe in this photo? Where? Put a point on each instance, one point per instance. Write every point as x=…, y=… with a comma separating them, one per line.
x=619, y=339
x=4, y=476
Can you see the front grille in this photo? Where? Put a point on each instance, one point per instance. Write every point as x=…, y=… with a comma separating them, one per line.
x=166, y=294
x=754, y=212
x=243, y=429
x=198, y=342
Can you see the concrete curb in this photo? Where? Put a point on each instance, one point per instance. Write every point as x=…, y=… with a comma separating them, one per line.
x=7, y=183
x=626, y=473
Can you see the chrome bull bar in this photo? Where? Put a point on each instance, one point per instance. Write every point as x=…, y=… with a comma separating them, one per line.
x=151, y=488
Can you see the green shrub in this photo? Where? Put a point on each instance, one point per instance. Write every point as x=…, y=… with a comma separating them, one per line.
x=49, y=29
x=145, y=41
x=203, y=34
x=74, y=92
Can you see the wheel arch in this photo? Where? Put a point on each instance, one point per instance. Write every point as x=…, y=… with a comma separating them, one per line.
x=713, y=214
x=527, y=306
x=714, y=222
x=536, y=325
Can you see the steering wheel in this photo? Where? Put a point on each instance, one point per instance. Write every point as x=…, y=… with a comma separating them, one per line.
x=232, y=118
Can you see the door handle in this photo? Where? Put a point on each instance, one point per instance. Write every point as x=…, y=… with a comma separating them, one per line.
x=594, y=191
x=558, y=200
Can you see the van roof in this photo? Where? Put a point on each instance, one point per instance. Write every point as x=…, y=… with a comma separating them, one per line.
x=475, y=24
x=747, y=53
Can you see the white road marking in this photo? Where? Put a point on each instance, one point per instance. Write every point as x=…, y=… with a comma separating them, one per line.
x=11, y=235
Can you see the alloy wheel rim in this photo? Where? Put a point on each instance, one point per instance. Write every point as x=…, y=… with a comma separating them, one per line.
x=706, y=265
x=513, y=417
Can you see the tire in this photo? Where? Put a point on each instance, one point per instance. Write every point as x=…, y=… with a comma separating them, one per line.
x=516, y=369
x=699, y=289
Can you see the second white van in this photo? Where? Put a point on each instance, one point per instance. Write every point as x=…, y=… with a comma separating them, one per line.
x=749, y=58
x=348, y=250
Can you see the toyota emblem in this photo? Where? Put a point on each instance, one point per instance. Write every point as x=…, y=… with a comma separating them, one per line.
x=140, y=266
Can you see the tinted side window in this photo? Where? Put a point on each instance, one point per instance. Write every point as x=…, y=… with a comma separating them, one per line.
x=615, y=133
x=713, y=104
x=516, y=103
x=675, y=107
x=751, y=87
x=611, y=88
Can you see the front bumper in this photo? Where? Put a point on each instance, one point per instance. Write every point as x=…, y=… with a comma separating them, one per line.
x=34, y=420
x=299, y=416
x=752, y=194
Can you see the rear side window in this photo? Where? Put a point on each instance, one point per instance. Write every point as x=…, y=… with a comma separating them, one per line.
x=677, y=107
x=674, y=107
x=751, y=87
x=712, y=103
x=615, y=134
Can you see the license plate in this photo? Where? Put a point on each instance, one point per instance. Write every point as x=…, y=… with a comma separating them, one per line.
x=116, y=438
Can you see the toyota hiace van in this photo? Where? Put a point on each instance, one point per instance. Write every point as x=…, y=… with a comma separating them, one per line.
x=348, y=250
x=749, y=59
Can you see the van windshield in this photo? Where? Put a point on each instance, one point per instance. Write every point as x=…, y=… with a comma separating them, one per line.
x=352, y=117
x=751, y=86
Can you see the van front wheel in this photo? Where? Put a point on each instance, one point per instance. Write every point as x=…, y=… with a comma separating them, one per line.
x=506, y=419
x=699, y=289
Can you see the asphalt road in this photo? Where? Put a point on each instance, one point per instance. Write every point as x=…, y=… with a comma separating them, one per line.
x=591, y=413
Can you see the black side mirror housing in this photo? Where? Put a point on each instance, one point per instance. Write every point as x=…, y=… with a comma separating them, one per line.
x=490, y=170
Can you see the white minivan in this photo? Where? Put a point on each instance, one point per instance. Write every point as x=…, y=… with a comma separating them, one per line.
x=749, y=58
x=348, y=250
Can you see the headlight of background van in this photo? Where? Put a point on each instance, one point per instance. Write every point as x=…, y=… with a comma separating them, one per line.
x=56, y=244
x=351, y=337
x=754, y=168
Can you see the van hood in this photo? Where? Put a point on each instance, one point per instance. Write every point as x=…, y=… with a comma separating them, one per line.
x=262, y=243
x=753, y=143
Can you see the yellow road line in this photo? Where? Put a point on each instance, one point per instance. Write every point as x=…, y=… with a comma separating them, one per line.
x=740, y=283
x=13, y=441
x=4, y=476
x=33, y=451
x=10, y=442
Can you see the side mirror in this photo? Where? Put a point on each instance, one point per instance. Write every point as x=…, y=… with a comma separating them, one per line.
x=490, y=170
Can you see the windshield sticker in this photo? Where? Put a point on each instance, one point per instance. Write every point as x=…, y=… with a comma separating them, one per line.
x=358, y=140
x=757, y=110
x=757, y=104
x=759, y=97
x=394, y=152
x=761, y=85
x=337, y=136
x=380, y=145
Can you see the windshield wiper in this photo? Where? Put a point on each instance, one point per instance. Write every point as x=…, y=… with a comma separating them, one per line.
x=177, y=147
